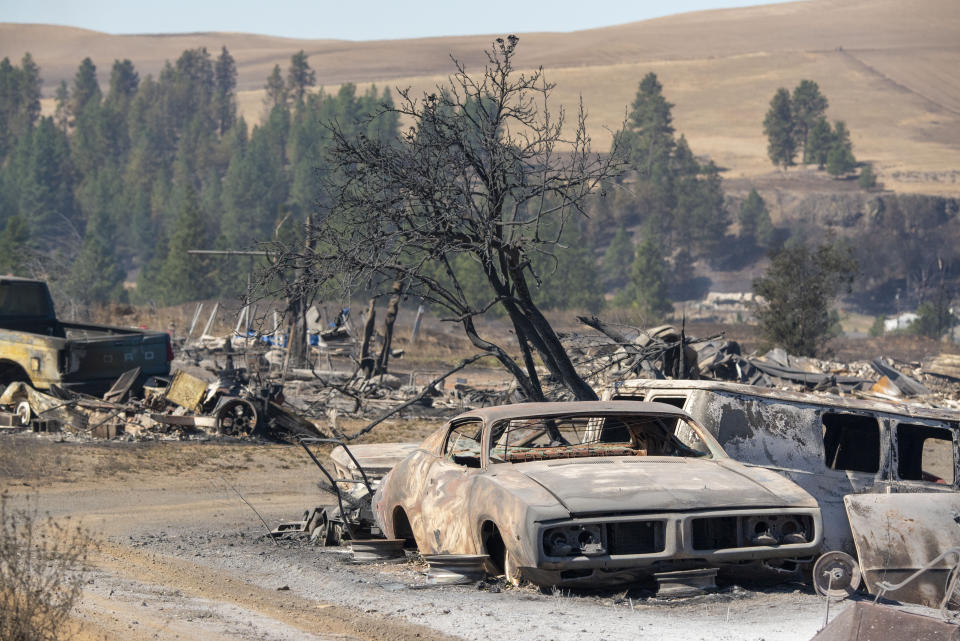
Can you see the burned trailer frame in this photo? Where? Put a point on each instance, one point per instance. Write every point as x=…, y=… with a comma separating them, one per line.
x=351, y=516
x=831, y=446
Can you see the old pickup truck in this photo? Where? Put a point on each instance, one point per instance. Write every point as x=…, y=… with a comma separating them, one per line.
x=37, y=348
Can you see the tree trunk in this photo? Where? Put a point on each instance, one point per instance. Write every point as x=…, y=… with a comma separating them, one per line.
x=366, y=362
x=528, y=361
x=529, y=322
x=297, y=344
x=392, y=308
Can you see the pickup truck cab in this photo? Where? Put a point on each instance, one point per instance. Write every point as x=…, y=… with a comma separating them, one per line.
x=37, y=348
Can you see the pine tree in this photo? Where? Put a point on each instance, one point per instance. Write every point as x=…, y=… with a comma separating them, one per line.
x=701, y=216
x=19, y=101
x=14, y=246
x=10, y=98
x=124, y=82
x=797, y=291
x=184, y=277
x=809, y=107
x=618, y=258
x=778, y=125
x=226, y=82
x=647, y=289
x=86, y=89
x=299, y=77
x=277, y=95
x=649, y=133
x=840, y=158
x=840, y=161
x=755, y=225
x=45, y=181
x=97, y=274
x=819, y=141
x=30, y=84
x=61, y=114
x=256, y=184
x=569, y=280
x=867, y=179
x=648, y=145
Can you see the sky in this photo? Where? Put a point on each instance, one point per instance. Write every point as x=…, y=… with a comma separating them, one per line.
x=349, y=20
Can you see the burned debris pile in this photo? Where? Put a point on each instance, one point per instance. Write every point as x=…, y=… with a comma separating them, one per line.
x=620, y=352
x=245, y=383
x=183, y=406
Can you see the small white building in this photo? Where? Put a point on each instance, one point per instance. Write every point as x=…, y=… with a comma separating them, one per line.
x=899, y=322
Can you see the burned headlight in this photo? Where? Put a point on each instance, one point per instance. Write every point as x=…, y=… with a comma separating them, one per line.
x=575, y=540
x=777, y=529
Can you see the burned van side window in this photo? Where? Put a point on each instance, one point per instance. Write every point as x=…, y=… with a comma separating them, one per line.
x=924, y=453
x=851, y=442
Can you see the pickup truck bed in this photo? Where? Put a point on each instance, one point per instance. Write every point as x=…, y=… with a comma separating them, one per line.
x=37, y=348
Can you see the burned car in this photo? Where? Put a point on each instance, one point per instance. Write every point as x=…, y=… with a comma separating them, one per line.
x=591, y=493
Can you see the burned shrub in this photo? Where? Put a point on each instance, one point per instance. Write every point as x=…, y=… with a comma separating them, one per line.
x=41, y=573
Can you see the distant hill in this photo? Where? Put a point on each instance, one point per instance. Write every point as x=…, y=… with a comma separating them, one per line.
x=888, y=67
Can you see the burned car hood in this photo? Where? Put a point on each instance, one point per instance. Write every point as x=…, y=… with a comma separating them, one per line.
x=615, y=484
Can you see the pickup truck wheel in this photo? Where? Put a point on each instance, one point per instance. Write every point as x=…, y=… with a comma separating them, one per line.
x=24, y=413
x=237, y=418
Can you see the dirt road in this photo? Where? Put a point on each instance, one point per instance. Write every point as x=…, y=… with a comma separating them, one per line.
x=182, y=557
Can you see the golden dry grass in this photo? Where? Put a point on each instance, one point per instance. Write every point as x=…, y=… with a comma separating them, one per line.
x=887, y=66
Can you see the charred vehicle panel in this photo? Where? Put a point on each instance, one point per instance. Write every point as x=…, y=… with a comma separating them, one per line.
x=591, y=493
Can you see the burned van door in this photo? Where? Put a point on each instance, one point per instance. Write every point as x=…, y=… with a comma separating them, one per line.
x=855, y=460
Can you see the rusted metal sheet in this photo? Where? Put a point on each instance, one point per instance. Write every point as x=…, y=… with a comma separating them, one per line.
x=869, y=622
x=898, y=534
x=121, y=388
x=187, y=391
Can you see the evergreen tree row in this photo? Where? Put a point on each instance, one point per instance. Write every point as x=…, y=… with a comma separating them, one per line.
x=127, y=181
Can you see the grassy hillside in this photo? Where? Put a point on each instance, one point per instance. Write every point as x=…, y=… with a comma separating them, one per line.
x=888, y=68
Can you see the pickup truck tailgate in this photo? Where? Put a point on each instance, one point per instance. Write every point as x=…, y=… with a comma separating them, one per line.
x=105, y=357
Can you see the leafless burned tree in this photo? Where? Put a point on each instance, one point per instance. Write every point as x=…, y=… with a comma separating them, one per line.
x=486, y=174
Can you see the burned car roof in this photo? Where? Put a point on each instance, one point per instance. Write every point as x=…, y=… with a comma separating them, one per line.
x=533, y=410
x=887, y=406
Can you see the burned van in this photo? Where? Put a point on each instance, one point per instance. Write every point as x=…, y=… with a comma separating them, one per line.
x=830, y=445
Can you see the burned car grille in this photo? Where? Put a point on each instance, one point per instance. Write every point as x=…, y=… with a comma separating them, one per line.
x=595, y=539
x=716, y=533
x=637, y=537
x=725, y=532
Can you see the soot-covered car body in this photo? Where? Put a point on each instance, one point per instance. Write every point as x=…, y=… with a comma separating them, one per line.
x=591, y=493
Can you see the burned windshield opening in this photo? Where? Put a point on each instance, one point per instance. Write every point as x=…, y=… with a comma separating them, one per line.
x=543, y=438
